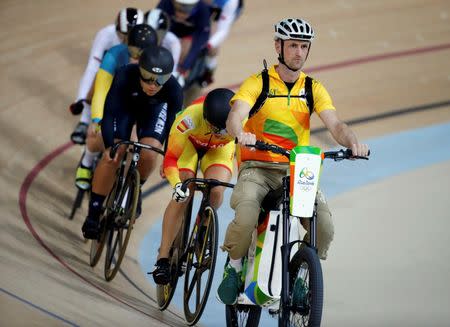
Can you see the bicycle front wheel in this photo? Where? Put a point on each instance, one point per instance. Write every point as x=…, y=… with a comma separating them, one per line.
x=201, y=262
x=119, y=229
x=240, y=315
x=305, y=290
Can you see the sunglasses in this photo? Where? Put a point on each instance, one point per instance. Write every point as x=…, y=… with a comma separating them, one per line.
x=151, y=78
x=183, y=7
x=134, y=52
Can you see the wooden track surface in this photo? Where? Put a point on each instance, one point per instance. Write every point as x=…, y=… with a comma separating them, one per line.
x=374, y=57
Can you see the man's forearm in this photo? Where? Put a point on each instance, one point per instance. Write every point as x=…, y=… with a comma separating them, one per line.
x=234, y=124
x=345, y=136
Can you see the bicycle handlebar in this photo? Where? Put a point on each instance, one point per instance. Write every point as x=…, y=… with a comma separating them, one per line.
x=114, y=148
x=335, y=155
x=204, y=181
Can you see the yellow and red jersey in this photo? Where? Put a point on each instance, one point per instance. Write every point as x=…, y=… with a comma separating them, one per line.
x=190, y=135
x=283, y=121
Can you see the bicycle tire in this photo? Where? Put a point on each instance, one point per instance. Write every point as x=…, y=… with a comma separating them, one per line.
x=240, y=315
x=97, y=246
x=164, y=293
x=201, y=257
x=77, y=203
x=309, y=314
x=114, y=232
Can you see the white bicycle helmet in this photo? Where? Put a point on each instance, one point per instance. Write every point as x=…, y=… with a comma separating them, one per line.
x=294, y=29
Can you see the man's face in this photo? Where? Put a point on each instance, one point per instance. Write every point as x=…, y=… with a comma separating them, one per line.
x=295, y=52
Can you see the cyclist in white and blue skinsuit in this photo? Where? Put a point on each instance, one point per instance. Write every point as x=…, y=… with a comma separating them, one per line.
x=139, y=37
x=105, y=39
x=224, y=13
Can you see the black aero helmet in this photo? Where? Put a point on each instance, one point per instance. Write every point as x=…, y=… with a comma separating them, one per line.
x=140, y=37
x=217, y=107
x=155, y=65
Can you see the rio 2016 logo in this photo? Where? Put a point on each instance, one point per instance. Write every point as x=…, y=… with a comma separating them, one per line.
x=306, y=173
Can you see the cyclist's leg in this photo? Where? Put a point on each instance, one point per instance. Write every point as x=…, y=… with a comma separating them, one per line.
x=187, y=166
x=151, y=129
x=115, y=126
x=218, y=164
x=94, y=145
x=172, y=221
x=325, y=227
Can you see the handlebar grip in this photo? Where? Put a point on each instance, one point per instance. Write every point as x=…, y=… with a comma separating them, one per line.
x=349, y=153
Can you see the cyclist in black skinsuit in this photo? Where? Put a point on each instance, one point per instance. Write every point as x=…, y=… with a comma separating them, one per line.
x=144, y=94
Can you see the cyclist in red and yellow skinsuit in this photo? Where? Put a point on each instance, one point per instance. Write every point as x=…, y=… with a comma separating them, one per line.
x=197, y=133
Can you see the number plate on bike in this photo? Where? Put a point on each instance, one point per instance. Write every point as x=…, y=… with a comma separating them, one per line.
x=305, y=164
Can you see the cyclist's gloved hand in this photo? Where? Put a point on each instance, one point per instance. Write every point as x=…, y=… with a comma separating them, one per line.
x=77, y=107
x=178, y=194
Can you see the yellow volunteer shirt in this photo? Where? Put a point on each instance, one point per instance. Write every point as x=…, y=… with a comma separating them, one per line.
x=283, y=121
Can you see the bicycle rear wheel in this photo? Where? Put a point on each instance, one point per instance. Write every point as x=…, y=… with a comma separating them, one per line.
x=164, y=293
x=118, y=229
x=240, y=315
x=305, y=289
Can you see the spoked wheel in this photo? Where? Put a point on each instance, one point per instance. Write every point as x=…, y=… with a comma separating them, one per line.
x=240, y=315
x=164, y=293
x=305, y=289
x=77, y=202
x=201, y=261
x=119, y=227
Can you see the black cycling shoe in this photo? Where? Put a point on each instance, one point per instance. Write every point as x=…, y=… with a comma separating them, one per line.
x=139, y=205
x=91, y=228
x=78, y=136
x=161, y=273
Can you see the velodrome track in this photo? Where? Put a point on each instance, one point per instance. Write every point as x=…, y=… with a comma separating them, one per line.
x=384, y=63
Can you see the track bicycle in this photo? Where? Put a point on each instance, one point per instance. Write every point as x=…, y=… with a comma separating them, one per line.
x=292, y=287
x=119, y=214
x=194, y=253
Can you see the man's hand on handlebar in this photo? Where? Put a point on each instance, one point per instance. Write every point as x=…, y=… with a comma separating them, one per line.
x=360, y=150
x=245, y=138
